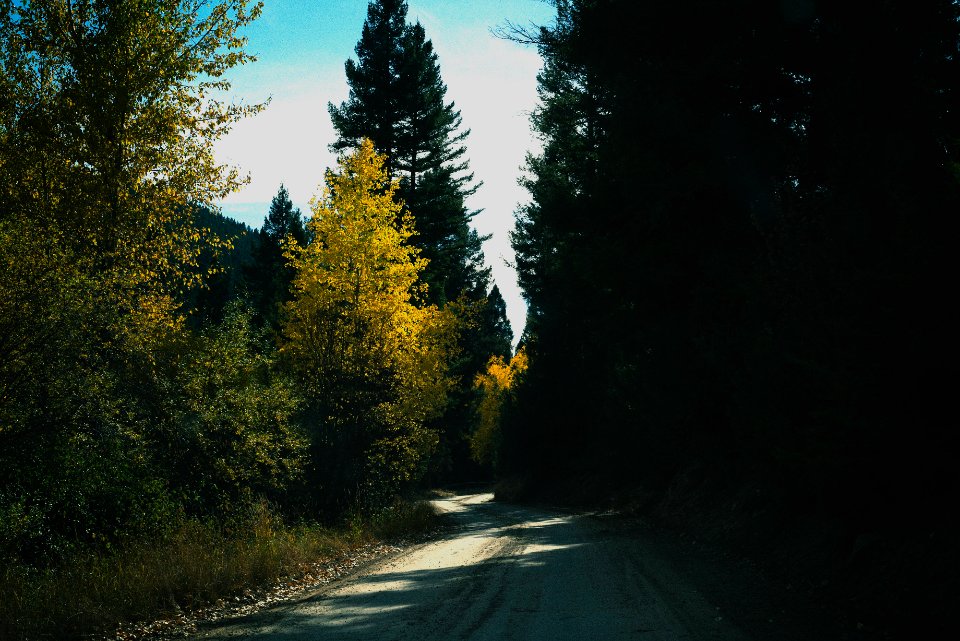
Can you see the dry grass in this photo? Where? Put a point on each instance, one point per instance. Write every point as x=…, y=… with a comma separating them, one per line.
x=196, y=564
x=405, y=518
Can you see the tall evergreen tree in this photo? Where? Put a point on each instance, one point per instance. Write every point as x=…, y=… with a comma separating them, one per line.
x=734, y=224
x=374, y=79
x=397, y=99
x=499, y=334
x=270, y=275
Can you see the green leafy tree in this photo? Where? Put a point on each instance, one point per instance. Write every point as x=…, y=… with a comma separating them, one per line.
x=107, y=126
x=227, y=432
x=110, y=132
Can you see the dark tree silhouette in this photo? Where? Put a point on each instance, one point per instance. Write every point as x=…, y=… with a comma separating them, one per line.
x=733, y=247
x=397, y=99
x=498, y=336
x=372, y=109
x=270, y=274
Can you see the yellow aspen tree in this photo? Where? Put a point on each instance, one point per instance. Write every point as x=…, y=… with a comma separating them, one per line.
x=495, y=384
x=370, y=354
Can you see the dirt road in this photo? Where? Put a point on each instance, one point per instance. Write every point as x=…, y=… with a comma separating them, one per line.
x=504, y=572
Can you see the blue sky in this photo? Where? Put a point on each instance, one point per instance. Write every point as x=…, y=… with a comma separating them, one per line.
x=302, y=46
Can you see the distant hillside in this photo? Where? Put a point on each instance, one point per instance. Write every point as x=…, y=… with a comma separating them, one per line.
x=242, y=235
x=208, y=304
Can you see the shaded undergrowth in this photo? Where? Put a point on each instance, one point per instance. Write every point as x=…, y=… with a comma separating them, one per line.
x=194, y=564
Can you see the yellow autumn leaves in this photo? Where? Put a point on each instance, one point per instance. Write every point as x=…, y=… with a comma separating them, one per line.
x=495, y=385
x=367, y=349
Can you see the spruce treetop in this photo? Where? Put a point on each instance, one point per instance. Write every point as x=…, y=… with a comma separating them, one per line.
x=398, y=100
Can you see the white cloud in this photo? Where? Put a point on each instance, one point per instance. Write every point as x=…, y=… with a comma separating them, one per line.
x=287, y=142
x=493, y=84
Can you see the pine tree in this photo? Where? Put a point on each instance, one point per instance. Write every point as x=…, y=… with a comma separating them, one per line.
x=498, y=333
x=397, y=100
x=271, y=274
x=374, y=79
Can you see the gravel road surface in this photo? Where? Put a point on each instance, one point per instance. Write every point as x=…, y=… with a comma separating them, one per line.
x=504, y=572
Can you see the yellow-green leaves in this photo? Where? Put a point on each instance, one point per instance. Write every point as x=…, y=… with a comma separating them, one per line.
x=106, y=138
x=108, y=118
x=245, y=437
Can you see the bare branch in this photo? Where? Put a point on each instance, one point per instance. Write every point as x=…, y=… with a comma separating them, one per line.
x=531, y=34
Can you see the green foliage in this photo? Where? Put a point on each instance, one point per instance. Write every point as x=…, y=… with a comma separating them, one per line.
x=107, y=137
x=495, y=334
x=71, y=465
x=225, y=431
x=226, y=268
x=371, y=110
x=106, y=134
x=405, y=518
x=145, y=412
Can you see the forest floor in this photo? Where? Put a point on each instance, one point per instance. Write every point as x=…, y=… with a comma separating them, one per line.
x=504, y=571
